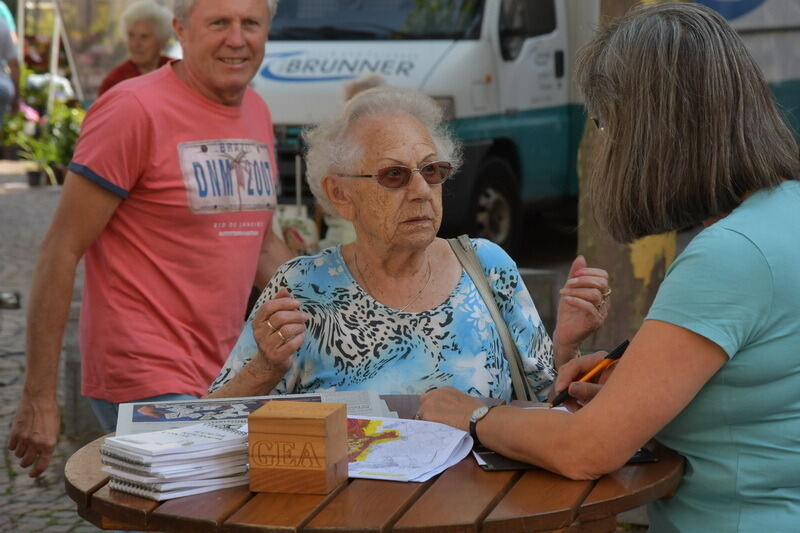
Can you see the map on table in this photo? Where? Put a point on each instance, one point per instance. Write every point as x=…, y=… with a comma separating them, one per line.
x=402, y=450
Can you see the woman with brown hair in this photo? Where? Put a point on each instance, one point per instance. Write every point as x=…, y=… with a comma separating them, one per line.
x=690, y=135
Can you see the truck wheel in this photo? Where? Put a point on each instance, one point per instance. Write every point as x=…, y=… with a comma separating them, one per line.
x=495, y=204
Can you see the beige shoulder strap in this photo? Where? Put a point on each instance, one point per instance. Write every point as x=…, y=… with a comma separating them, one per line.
x=465, y=253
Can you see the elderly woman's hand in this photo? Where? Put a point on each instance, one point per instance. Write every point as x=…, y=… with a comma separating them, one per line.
x=582, y=308
x=278, y=328
x=448, y=406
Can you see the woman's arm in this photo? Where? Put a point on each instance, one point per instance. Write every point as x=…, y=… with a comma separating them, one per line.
x=663, y=369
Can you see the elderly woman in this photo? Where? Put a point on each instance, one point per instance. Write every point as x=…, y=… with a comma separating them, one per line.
x=394, y=311
x=146, y=27
x=689, y=135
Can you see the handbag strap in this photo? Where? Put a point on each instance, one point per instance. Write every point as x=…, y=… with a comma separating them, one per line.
x=465, y=253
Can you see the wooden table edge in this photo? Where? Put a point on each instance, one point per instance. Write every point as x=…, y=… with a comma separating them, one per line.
x=81, y=497
x=663, y=487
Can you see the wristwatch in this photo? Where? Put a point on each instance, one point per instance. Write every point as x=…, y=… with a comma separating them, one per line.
x=474, y=418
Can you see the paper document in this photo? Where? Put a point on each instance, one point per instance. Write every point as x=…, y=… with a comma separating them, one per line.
x=402, y=450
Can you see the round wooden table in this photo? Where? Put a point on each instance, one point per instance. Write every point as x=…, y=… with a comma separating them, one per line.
x=463, y=498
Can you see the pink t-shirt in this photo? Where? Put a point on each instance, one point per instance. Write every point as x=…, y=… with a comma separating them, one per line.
x=168, y=279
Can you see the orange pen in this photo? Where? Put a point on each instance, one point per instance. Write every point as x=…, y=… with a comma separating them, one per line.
x=612, y=357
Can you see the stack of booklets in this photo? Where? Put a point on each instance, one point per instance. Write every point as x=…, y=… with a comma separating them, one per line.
x=171, y=463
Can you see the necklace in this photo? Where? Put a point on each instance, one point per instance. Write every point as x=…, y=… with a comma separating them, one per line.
x=414, y=299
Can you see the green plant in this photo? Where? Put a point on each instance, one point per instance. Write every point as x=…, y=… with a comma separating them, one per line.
x=41, y=151
x=47, y=141
x=13, y=127
x=63, y=126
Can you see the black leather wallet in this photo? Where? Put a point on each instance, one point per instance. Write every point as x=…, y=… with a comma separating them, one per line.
x=494, y=462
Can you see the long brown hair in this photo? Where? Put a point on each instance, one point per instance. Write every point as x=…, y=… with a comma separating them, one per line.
x=689, y=125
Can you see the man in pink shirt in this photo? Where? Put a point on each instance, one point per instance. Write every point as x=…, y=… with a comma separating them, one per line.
x=170, y=197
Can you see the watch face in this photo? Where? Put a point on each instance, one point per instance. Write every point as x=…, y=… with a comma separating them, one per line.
x=479, y=413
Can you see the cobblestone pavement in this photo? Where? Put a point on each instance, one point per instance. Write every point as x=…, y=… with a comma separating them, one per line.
x=26, y=504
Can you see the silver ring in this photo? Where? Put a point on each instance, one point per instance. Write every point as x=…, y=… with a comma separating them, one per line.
x=606, y=293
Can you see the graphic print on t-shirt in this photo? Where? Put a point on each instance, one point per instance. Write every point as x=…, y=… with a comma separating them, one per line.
x=227, y=175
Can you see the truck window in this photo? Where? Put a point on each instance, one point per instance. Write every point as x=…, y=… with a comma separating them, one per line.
x=521, y=19
x=367, y=20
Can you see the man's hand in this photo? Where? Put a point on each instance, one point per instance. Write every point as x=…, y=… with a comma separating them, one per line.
x=448, y=406
x=34, y=432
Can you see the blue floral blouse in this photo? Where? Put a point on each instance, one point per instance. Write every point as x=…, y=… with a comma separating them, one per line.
x=354, y=342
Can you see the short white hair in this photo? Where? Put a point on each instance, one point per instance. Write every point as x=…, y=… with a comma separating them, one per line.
x=151, y=11
x=183, y=8
x=330, y=149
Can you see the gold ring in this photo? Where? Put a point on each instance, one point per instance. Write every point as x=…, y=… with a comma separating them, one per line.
x=606, y=294
x=280, y=335
x=271, y=326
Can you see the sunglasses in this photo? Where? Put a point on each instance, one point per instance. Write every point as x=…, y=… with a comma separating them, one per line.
x=397, y=176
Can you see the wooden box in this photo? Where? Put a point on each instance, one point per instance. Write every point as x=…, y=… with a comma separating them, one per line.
x=298, y=447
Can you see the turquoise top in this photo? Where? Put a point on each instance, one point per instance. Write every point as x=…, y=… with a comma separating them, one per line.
x=738, y=284
x=354, y=342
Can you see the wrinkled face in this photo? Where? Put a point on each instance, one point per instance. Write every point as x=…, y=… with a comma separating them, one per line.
x=411, y=215
x=223, y=45
x=144, y=46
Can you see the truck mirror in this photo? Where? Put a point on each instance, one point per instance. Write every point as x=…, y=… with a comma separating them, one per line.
x=511, y=40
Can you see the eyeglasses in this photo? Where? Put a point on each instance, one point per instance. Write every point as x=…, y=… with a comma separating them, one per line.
x=397, y=176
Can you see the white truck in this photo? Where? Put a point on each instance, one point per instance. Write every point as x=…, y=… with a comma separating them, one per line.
x=501, y=69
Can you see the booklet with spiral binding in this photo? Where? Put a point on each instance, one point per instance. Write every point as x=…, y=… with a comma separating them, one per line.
x=197, y=466
x=184, y=440
x=152, y=492
x=176, y=462
x=122, y=472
